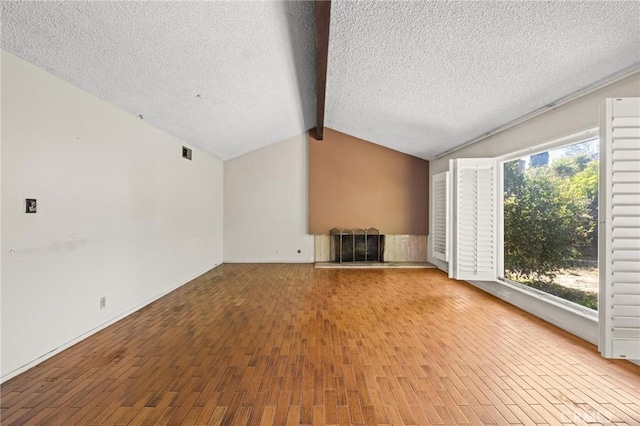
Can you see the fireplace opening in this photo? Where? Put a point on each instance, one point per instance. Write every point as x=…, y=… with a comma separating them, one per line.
x=357, y=245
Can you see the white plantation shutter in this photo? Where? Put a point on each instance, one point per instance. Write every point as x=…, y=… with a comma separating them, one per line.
x=619, y=229
x=474, y=219
x=440, y=216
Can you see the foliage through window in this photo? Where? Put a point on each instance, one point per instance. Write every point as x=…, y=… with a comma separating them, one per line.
x=551, y=222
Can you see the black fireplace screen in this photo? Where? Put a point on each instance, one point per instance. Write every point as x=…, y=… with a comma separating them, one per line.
x=357, y=245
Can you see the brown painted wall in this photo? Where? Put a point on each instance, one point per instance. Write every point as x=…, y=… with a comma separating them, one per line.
x=357, y=184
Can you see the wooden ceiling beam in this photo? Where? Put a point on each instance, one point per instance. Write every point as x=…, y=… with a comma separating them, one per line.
x=322, y=20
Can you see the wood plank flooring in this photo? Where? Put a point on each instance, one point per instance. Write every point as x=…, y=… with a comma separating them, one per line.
x=290, y=345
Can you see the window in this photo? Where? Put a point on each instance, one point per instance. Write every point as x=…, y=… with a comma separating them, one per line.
x=473, y=242
x=440, y=216
x=500, y=208
x=620, y=229
x=550, y=222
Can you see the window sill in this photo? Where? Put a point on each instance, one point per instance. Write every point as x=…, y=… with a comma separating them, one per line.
x=577, y=320
x=550, y=298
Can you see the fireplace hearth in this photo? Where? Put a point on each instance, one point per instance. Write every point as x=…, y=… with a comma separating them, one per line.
x=357, y=245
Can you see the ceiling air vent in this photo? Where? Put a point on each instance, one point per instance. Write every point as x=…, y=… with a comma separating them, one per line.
x=186, y=153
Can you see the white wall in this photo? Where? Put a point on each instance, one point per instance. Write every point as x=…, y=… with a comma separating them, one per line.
x=120, y=214
x=265, y=205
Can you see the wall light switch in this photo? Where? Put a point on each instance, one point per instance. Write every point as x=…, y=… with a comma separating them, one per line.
x=31, y=205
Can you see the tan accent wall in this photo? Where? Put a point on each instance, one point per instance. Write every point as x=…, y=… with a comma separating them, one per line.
x=357, y=184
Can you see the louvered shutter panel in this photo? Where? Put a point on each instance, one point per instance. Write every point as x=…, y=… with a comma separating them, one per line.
x=473, y=251
x=440, y=216
x=619, y=260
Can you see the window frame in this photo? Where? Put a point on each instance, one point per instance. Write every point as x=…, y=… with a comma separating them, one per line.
x=573, y=139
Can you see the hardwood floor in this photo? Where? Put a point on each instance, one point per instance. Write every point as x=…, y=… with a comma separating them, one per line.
x=290, y=344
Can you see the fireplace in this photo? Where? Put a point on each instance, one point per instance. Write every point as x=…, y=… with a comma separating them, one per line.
x=357, y=245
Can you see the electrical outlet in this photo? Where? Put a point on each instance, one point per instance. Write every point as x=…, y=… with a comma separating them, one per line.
x=103, y=302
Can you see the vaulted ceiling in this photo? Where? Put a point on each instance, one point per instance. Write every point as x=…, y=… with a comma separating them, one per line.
x=418, y=77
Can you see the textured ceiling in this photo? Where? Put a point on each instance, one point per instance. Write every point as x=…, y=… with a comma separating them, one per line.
x=423, y=77
x=418, y=77
x=228, y=77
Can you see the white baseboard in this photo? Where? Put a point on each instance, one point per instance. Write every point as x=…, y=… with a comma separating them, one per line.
x=102, y=326
x=245, y=261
